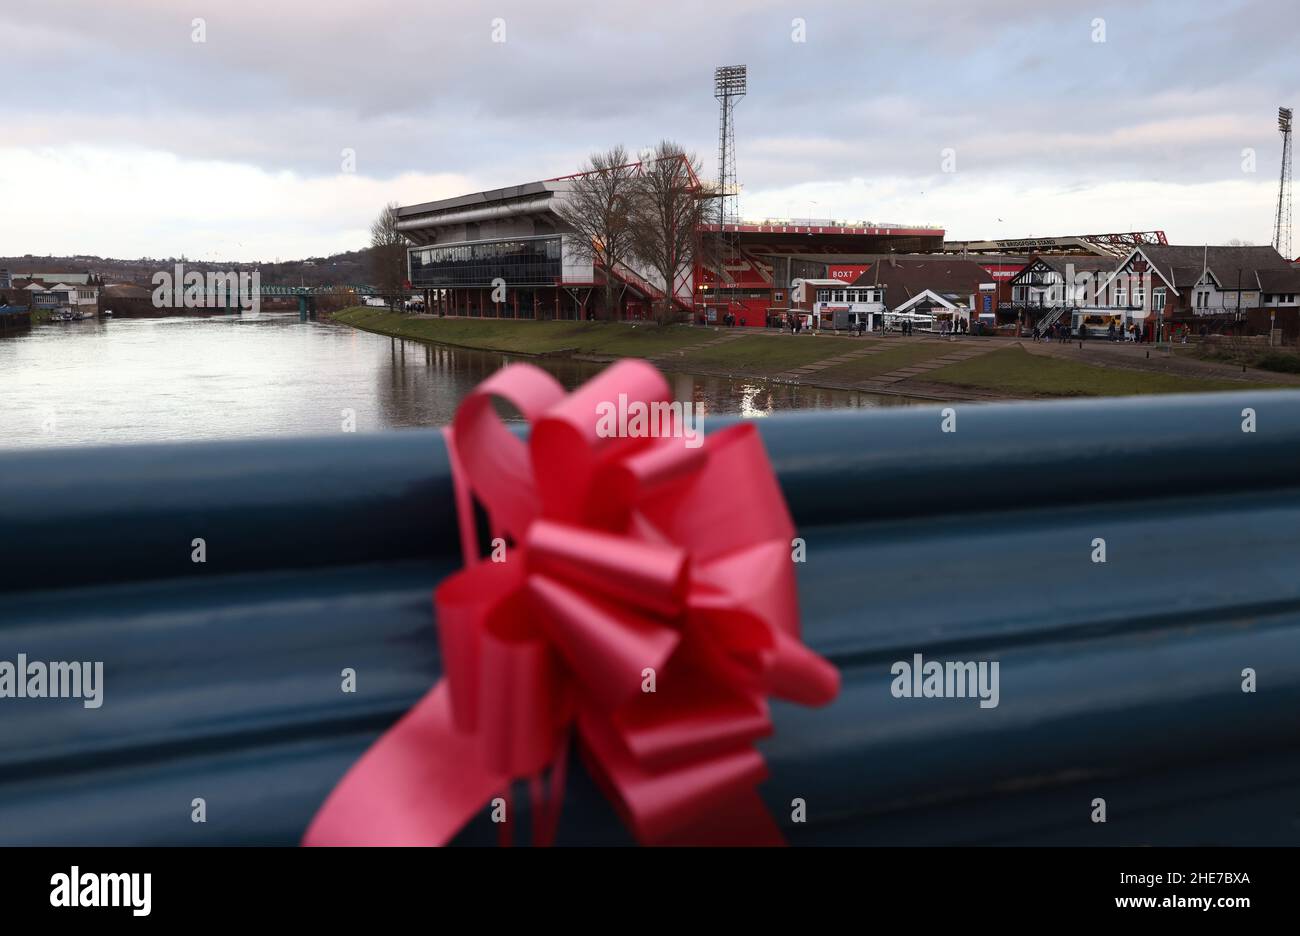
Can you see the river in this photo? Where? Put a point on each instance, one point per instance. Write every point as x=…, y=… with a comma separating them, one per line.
x=189, y=377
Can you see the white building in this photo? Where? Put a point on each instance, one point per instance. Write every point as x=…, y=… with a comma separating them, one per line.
x=79, y=300
x=836, y=305
x=507, y=253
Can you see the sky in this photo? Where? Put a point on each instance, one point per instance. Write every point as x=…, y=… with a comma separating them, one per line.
x=277, y=129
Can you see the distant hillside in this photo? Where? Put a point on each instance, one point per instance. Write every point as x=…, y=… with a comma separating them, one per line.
x=351, y=267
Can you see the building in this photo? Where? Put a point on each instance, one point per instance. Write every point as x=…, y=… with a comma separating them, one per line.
x=1206, y=290
x=1051, y=286
x=6, y=279
x=464, y=250
x=939, y=286
x=14, y=317
x=84, y=278
x=79, y=300
x=832, y=303
x=1112, y=245
x=126, y=298
x=1280, y=302
x=774, y=256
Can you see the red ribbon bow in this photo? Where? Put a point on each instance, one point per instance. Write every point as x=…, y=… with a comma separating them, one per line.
x=631, y=564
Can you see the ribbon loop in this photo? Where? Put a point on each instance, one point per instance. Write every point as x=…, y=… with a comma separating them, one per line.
x=648, y=601
x=649, y=576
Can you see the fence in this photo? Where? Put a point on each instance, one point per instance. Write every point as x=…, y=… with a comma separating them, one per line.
x=1120, y=680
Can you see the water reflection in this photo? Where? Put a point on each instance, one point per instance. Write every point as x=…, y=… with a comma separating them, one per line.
x=156, y=379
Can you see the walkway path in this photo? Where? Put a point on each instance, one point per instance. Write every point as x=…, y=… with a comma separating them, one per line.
x=920, y=369
x=886, y=381
x=666, y=357
x=795, y=374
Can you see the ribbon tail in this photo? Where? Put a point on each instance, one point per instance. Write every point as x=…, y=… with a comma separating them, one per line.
x=742, y=821
x=419, y=784
x=710, y=801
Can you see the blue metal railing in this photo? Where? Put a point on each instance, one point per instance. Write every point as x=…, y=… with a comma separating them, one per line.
x=1119, y=680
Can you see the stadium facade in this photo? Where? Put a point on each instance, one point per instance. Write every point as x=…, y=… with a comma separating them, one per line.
x=508, y=253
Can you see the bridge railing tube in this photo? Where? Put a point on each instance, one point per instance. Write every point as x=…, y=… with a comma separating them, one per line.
x=1121, y=679
x=131, y=512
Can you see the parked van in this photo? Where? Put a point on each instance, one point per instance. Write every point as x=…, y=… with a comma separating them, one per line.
x=1098, y=323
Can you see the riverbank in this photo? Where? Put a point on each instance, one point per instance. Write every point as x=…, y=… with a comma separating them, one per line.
x=918, y=367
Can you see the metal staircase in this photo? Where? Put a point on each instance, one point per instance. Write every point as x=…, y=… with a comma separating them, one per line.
x=1051, y=318
x=624, y=274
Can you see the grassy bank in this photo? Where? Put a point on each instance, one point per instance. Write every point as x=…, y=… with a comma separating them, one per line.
x=759, y=355
x=749, y=354
x=904, y=355
x=528, y=337
x=1278, y=360
x=1009, y=371
x=1016, y=372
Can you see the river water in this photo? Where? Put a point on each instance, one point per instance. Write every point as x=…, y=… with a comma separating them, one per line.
x=187, y=377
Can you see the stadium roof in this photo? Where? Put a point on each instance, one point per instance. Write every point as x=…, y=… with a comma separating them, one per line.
x=910, y=276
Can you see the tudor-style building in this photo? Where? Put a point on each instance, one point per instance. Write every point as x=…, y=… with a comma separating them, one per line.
x=1206, y=290
x=1051, y=287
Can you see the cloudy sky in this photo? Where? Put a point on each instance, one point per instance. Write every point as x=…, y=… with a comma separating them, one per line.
x=222, y=128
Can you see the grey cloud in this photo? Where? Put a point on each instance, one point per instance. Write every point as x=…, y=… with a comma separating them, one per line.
x=1012, y=84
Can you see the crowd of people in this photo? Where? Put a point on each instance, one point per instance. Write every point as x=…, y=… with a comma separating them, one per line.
x=949, y=328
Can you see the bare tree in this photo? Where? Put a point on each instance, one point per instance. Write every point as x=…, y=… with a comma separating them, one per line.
x=666, y=214
x=388, y=254
x=599, y=208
